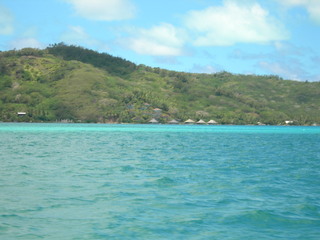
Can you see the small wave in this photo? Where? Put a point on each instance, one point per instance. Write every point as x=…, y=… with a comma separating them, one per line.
x=107, y=184
x=165, y=181
x=190, y=221
x=35, y=209
x=81, y=200
x=265, y=218
x=9, y=215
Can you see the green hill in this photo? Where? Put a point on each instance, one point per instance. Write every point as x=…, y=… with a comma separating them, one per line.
x=69, y=82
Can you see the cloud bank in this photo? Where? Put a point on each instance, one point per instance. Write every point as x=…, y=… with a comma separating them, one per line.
x=234, y=23
x=224, y=25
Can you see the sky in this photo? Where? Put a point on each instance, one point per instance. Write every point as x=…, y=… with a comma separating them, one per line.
x=262, y=37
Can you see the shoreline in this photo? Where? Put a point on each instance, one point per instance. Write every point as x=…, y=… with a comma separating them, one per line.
x=168, y=124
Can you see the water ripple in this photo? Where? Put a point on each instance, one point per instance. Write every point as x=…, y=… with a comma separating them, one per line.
x=88, y=181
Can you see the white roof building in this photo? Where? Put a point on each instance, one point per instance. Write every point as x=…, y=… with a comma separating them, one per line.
x=173, y=121
x=212, y=122
x=201, y=122
x=153, y=120
x=189, y=121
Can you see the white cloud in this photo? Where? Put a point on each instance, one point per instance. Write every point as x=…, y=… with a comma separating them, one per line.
x=26, y=43
x=286, y=48
x=77, y=35
x=243, y=55
x=204, y=69
x=312, y=6
x=6, y=21
x=161, y=40
x=104, y=10
x=291, y=72
x=233, y=23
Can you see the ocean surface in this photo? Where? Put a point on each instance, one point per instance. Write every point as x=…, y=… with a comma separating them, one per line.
x=104, y=181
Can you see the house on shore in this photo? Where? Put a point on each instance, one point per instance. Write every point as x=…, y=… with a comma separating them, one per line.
x=21, y=114
x=201, y=122
x=212, y=122
x=153, y=121
x=189, y=121
x=173, y=121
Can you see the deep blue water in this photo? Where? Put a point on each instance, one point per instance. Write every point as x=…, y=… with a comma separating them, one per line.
x=98, y=181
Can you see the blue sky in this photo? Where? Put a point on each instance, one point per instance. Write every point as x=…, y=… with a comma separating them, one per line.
x=263, y=37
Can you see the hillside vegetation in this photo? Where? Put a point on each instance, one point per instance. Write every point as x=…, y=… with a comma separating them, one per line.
x=80, y=85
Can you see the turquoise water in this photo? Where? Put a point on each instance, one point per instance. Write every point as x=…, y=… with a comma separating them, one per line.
x=97, y=181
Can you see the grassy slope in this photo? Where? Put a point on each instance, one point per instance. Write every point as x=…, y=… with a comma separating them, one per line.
x=48, y=87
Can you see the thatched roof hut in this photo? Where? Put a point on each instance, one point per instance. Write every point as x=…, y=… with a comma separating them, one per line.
x=153, y=120
x=189, y=121
x=212, y=122
x=201, y=122
x=173, y=121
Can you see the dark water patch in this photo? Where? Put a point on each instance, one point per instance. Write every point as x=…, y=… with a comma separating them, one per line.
x=127, y=168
